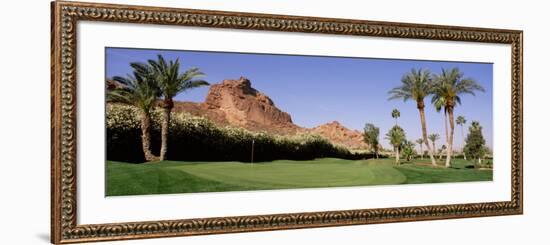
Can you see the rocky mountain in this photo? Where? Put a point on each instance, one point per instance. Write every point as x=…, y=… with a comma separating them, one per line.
x=237, y=103
x=337, y=133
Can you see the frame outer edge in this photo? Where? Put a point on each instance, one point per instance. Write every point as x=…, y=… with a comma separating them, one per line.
x=64, y=227
x=289, y=17
x=520, y=136
x=55, y=117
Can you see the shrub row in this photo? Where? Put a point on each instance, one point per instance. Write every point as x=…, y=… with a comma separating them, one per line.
x=197, y=139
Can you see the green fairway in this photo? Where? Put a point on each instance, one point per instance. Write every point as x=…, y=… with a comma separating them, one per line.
x=187, y=177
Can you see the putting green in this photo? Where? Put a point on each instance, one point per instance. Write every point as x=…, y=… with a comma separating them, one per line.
x=296, y=174
x=186, y=177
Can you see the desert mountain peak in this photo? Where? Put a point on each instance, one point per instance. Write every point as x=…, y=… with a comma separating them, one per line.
x=338, y=133
x=242, y=82
x=238, y=103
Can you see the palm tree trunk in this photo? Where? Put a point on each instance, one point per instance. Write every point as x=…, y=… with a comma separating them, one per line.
x=397, y=155
x=433, y=144
x=463, y=142
x=446, y=132
x=450, y=144
x=425, y=131
x=146, y=137
x=446, y=128
x=164, y=132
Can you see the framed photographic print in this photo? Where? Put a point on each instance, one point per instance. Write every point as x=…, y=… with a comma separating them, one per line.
x=175, y=122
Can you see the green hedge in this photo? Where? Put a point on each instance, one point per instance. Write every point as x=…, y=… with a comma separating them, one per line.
x=197, y=139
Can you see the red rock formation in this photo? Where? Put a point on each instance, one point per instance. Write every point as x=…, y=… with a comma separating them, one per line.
x=237, y=103
x=112, y=84
x=338, y=134
x=243, y=104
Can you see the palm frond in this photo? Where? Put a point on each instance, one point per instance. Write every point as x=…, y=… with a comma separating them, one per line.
x=416, y=85
x=449, y=85
x=135, y=90
x=141, y=68
x=170, y=80
x=433, y=137
x=194, y=84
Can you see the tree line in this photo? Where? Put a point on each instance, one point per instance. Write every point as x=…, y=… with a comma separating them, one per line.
x=446, y=90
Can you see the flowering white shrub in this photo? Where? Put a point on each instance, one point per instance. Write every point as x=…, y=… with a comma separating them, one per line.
x=197, y=138
x=125, y=117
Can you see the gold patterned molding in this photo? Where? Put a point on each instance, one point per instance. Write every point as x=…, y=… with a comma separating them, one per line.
x=65, y=16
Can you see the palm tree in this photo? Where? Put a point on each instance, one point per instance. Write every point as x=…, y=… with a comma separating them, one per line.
x=443, y=149
x=141, y=92
x=450, y=85
x=396, y=136
x=171, y=82
x=416, y=85
x=460, y=120
x=434, y=138
x=440, y=104
x=395, y=114
x=419, y=142
x=408, y=150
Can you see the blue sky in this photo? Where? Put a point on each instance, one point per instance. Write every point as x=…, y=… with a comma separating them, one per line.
x=317, y=89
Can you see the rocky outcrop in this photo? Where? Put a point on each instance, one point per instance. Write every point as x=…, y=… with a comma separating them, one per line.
x=338, y=134
x=243, y=104
x=237, y=103
x=112, y=84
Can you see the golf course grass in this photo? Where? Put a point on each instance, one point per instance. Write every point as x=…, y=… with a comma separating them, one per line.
x=188, y=177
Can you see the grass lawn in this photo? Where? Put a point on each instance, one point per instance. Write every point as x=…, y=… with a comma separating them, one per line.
x=187, y=177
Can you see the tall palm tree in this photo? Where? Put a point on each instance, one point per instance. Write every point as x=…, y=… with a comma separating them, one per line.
x=395, y=114
x=171, y=82
x=396, y=136
x=416, y=85
x=460, y=120
x=450, y=85
x=439, y=105
x=433, y=138
x=419, y=142
x=141, y=92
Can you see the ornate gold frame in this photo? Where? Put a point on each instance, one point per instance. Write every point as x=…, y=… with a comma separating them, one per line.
x=65, y=15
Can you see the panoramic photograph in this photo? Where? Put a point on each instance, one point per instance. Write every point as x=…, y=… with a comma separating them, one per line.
x=182, y=121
